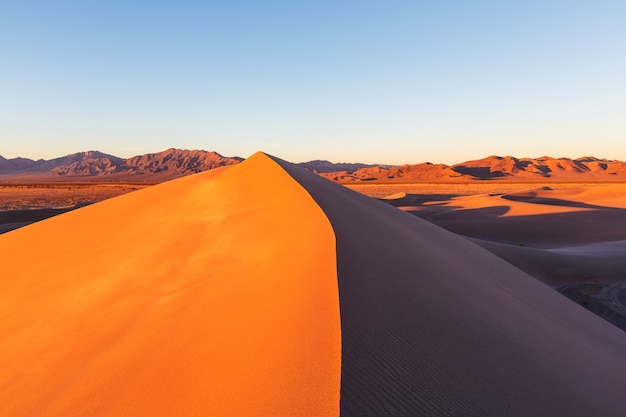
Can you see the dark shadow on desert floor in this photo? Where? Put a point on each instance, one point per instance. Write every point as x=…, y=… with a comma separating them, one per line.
x=550, y=201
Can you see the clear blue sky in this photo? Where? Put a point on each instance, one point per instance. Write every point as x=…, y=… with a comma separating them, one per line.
x=371, y=81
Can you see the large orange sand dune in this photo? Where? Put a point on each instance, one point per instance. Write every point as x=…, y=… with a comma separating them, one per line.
x=203, y=296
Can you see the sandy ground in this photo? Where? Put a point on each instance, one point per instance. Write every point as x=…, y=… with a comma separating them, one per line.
x=568, y=236
x=204, y=296
x=60, y=195
x=23, y=204
x=432, y=324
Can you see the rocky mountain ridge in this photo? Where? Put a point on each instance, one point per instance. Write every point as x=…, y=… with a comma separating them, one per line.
x=321, y=166
x=94, y=165
x=173, y=163
x=492, y=168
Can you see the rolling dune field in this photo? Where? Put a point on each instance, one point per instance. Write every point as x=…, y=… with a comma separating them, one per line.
x=263, y=289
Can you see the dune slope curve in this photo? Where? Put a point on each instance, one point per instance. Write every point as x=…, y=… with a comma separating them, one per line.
x=208, y=295
x=433, y=325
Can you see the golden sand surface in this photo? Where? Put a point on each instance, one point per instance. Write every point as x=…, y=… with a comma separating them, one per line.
x=511, y=199
x=543, y=200
x=203, y=296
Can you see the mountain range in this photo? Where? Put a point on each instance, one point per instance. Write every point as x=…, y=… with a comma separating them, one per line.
x=323, y=166
x=174, y=163
x=94, y=165
x=492, y=168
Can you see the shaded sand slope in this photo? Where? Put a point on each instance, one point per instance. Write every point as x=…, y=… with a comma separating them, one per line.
x=540, y=230
x=204, y=296
x=434, y=325
x=556, y=267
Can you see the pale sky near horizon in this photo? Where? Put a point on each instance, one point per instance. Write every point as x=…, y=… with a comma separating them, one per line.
x=369, y=81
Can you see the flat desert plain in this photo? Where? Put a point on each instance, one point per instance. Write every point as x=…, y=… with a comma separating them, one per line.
x=25, y=203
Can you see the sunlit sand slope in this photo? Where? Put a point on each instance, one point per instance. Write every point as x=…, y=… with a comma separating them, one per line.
x=212, y=295
x=433, y=325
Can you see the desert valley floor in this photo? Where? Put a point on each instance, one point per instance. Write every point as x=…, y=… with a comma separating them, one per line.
x=263, y=289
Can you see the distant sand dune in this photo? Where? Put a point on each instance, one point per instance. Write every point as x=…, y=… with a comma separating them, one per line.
x=395, y=196
x=538, y=217
x=568, y=237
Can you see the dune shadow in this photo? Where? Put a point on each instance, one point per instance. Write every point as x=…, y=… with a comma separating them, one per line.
x=550, y=201
x=420, y=199
x=551, y=230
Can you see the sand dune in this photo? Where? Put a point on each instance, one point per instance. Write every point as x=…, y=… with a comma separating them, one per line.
x=542, y=218
x=567, y=235
x=202, y=296
x=434, y=325
x=605, y=195
x=513, y=205
x=265, y=290
x=557, y=267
